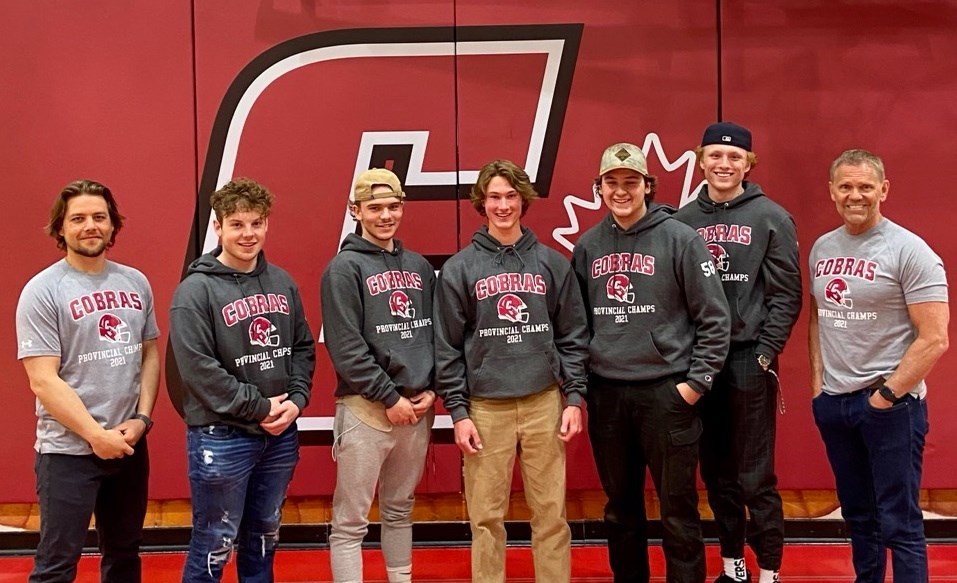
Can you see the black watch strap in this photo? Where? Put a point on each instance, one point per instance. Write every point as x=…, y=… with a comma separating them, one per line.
x=145, y=419
x=887, y=394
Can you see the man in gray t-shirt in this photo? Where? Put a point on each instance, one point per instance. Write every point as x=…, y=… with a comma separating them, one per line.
x=878, y=325
x=86, y=334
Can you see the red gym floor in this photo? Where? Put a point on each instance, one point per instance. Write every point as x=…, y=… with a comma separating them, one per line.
x=816, y=563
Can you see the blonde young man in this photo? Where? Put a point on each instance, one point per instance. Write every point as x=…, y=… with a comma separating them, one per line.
x=511, y=350
x=753, y=241
x=377, y=315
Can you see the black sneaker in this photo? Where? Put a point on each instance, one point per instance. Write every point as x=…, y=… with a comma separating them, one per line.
x=723, y=578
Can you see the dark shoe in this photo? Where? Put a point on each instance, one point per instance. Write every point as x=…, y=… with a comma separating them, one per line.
x=725, y=579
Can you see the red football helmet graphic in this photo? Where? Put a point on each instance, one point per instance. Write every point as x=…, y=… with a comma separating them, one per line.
x=401, y=305
x=260, y=332
x=838, y=293
x=619, y=288
x=722, y=261
x=113, y=329
x=513, y=308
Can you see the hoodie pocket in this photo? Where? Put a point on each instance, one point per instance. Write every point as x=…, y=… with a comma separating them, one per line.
x=513, y=375
x=410, y=367
x=625, y=350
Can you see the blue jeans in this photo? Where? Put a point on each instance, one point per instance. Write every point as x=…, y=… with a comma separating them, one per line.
x=238, y=484
x=877, y=459
x=70, y=488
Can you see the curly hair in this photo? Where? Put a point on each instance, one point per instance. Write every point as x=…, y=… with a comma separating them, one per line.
x=240, y=195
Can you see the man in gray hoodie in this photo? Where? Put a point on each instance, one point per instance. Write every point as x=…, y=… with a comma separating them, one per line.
x=659, y=335
x=377, y=317
x=246, y=357
x=754, y=245
x=511, y=348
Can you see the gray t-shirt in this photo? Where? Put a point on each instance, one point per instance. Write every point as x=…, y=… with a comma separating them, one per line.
x=96, y=325
x=863, y=285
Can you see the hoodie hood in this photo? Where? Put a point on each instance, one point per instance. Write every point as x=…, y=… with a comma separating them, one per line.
x=513, y=256
x=655, y=214
x=751, y=192
x=484, y=240
x=354, y=242
x=209, y=265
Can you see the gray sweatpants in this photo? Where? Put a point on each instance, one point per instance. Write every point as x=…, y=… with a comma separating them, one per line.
x=364, y=457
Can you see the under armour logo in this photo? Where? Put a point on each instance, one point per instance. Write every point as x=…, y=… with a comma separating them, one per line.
x=26, y=344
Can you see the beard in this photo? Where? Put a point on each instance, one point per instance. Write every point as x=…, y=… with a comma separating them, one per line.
x=90, y=250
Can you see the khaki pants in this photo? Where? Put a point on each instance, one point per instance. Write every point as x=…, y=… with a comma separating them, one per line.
x=526, y=426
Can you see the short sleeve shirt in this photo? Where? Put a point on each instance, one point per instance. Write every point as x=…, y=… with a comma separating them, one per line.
x=863, y=285
x=96, y=325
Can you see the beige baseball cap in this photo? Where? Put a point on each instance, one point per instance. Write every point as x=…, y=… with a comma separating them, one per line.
x=623, y=155
x=375, y=177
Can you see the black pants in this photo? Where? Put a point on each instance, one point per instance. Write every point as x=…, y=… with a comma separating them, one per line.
x=70, y=489
x=634, y=426
x=737, y=458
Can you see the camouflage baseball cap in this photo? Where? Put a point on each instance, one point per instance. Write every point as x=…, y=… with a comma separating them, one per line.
x=623, y=155
x=376, y=177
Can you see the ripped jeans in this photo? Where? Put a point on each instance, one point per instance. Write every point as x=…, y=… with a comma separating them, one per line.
x=238, y=484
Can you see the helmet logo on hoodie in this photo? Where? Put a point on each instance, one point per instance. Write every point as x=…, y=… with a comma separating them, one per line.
x=513, y=309
x=838, y=293
x=722, y=259
x=401, y=305
x=113, y=329
x=261, y=332
x=620, y=289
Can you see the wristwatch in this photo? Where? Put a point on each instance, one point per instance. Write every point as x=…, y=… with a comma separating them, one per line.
x=888, y=395
x=764, y=361
x=146, y=421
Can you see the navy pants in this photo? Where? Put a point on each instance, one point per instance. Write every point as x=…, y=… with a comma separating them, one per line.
x=637, y=426
x=70, y=489
x=238, y=484
x=877, y=459
x=737, y=458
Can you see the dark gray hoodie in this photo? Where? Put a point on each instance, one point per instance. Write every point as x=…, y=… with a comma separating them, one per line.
x=239, y=338
x=655, y=306
x=510, y=323
x=377, y=317
x=754, y=244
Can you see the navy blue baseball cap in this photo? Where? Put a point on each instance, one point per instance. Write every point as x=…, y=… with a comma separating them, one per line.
x=728, y=134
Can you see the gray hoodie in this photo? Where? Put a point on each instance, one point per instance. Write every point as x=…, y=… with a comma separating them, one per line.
x=655, y=306
x=754, y=244
x=510, y=323
x=377, y=316
x=239, y=338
